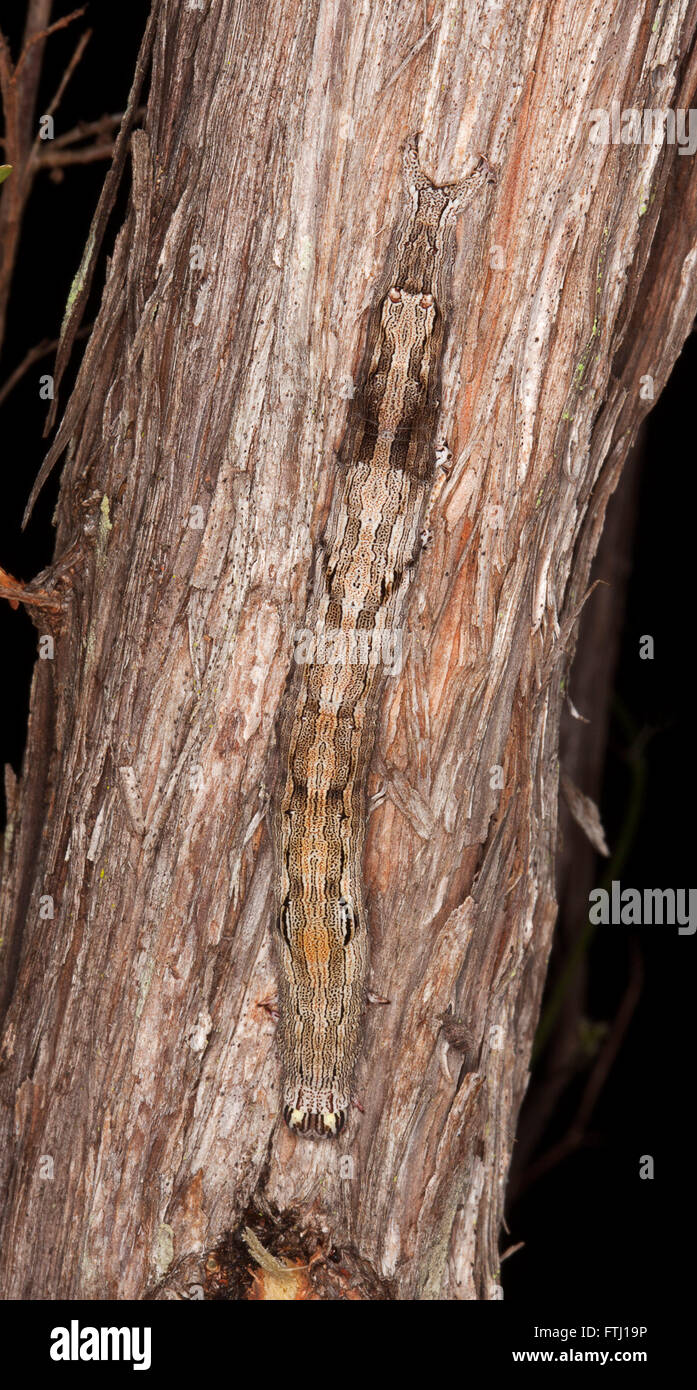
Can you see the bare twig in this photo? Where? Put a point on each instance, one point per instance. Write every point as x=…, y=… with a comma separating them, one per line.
x=38, y=16
x=84, y=129
x=6, y=69
x=44, y=34
x=18, y=89
x=79, y=50
x=8, y=92
x=16, y=193
x=511, y=1250
x=42, y=349
x=60, y=159
x=102, y=212
x=58, y=156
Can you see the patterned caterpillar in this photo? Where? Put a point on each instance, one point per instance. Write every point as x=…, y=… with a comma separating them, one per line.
x=363, y=567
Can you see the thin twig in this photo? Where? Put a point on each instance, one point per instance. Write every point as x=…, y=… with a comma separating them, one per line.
x=59, y=159
x=18, y=88
x=34, y=155
x=511, y=1250
x=8, y=91
x=44, y=34
x=73, y=316
x=52, y=156
x=42, y=349
x=84, y=129
x=6, y=69
x=79, y=50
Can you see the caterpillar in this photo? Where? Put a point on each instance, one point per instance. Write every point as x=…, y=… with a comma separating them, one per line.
x=363, y=567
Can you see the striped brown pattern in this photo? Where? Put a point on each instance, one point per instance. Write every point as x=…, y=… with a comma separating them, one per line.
x=363, y=568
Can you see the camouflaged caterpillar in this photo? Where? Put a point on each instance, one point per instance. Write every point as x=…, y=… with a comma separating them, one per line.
x=364, y=565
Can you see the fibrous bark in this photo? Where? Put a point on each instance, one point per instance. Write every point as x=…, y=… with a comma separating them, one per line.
x=138, y=1044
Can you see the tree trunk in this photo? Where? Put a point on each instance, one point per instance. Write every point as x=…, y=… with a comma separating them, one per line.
x=140, y=1090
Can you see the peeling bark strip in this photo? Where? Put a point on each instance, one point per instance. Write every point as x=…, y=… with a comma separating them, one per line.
x=363, y=570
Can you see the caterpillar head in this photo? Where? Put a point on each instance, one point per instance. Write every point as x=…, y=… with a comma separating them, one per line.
x=320, y=1124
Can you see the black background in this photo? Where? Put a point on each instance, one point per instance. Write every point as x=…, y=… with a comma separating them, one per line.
x=591, y=1227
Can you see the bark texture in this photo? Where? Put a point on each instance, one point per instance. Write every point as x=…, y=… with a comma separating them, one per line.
x=138, y=1045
